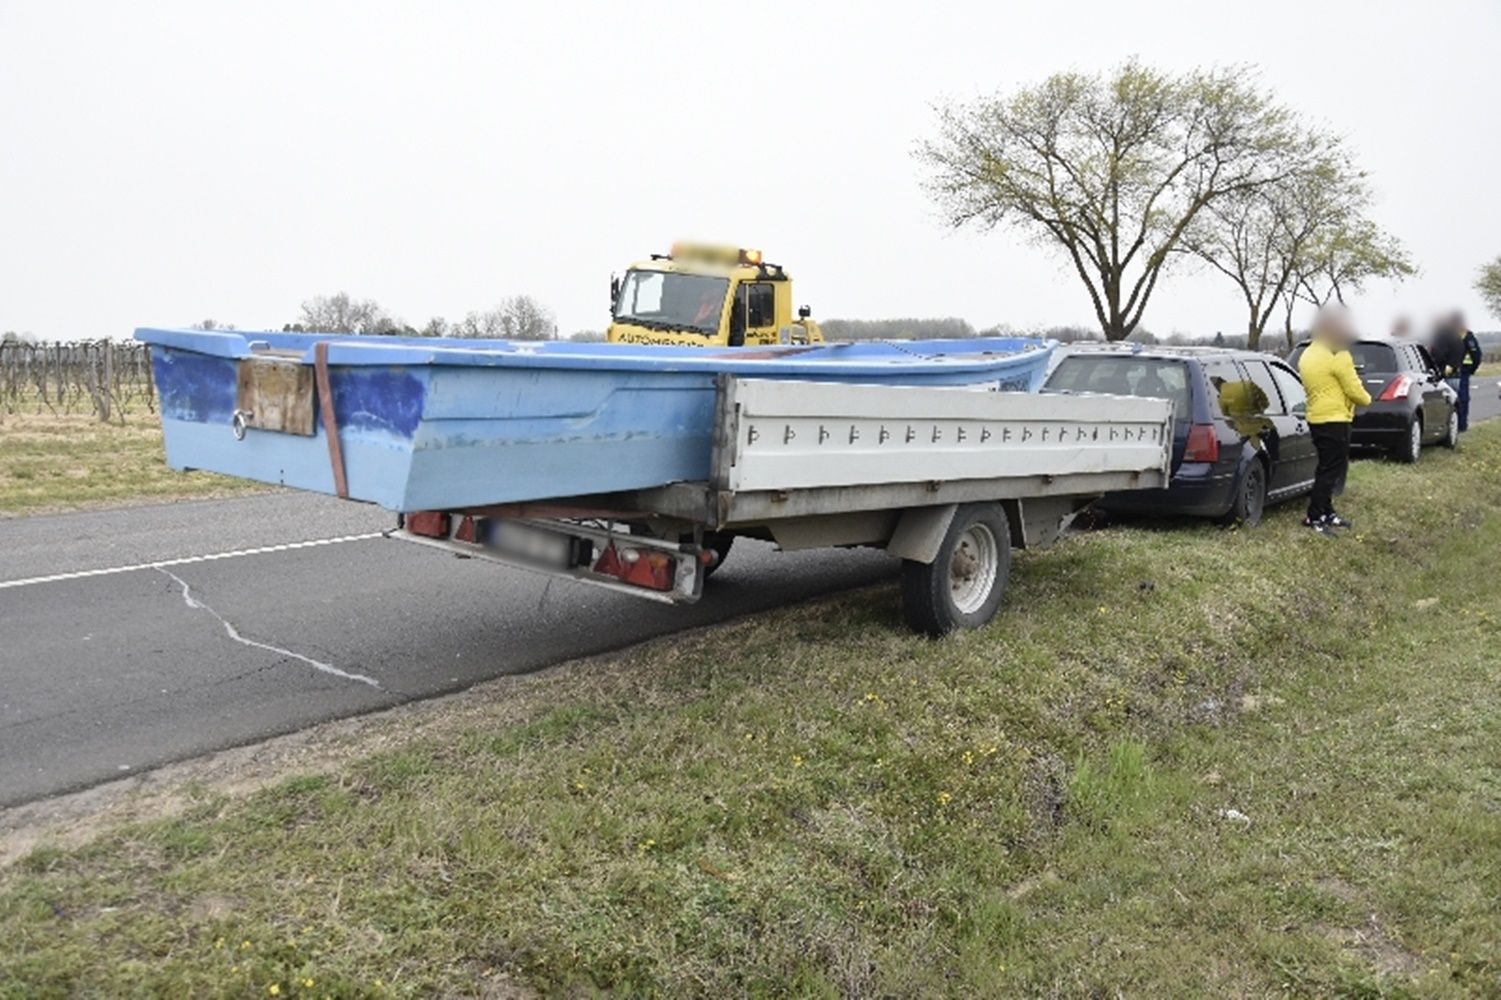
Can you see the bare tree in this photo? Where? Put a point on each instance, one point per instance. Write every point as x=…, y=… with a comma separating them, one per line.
x=338, y=313
x=1488, y=284
x=1112, y=169
x=519, y=317
x=1262, y=238
x=211, y=324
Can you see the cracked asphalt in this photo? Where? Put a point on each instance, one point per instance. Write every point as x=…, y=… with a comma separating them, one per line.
x=108, y=675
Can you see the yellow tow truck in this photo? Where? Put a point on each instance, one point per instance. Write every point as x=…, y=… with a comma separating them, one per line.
x=707, y=295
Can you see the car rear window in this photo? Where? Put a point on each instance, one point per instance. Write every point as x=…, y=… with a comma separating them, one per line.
x=1124, y=376
x=1375, y=358
x=1368, y=357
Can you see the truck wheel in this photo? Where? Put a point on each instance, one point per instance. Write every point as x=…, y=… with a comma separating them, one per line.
x=1250, y=500
x=963, y=585
x=1411, y=448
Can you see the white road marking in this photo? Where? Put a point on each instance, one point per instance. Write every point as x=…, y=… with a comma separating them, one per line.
x=233, y=633
x=186, y=560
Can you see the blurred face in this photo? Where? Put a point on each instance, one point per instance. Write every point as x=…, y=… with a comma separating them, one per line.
x=1335, y=329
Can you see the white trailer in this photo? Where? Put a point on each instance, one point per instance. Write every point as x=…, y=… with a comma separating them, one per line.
x=949, y=480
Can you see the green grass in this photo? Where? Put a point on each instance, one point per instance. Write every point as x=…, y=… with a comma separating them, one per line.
x=1183, y=761
x=55, y=462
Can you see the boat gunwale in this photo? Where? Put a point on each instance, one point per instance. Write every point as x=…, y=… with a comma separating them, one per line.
x=355, y=350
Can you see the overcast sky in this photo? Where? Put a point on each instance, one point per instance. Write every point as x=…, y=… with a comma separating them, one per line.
x=165, y=162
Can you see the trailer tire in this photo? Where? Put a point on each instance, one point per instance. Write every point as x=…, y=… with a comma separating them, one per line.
x=962, y=587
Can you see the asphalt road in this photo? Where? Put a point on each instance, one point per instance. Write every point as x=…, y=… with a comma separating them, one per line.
x=1485, y=400
x=106, y=670
x=108, y=667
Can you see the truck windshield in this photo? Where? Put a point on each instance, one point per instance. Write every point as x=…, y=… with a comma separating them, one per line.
x=670, y=301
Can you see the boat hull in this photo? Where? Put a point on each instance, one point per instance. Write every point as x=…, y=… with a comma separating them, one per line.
x=425, y=424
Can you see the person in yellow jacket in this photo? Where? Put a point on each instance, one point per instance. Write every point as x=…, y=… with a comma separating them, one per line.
x=1334, y=391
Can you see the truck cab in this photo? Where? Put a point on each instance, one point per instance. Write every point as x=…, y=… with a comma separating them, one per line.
x=708, y=296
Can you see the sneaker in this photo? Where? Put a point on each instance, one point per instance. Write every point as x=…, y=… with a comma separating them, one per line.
x=1335, y=521
x=1319, y=524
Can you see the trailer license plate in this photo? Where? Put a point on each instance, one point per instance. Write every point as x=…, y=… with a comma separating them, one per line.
x=529, y=544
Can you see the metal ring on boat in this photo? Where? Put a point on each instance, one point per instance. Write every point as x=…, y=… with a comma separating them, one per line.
x=239, y=423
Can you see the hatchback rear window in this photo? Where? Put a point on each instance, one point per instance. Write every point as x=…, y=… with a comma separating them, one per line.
x=1374, y=358
x=1124, y=376
x=1368, y=357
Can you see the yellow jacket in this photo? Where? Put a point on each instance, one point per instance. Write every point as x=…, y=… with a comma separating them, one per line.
x=1333, y=387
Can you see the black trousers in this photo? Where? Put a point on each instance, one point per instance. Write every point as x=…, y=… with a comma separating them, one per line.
x=1332, y=442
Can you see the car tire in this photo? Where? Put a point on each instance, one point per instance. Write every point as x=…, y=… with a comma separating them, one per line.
x=1451, y=432
x=963, y=586
x=1411, y=449
x=1250, y=497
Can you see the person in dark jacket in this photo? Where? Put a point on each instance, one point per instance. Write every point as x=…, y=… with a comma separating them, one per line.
x=1444, y=346
x=1467, y=356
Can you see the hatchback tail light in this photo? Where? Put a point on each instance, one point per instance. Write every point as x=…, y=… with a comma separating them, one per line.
x=1397, y=388
x=1203, y=444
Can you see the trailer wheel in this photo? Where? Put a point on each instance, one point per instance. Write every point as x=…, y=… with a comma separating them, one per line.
x=963, y=586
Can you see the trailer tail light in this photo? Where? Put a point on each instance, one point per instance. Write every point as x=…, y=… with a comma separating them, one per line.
x=642, y=567
x=428, y=523
x=1397, y=388
x=1203, y=444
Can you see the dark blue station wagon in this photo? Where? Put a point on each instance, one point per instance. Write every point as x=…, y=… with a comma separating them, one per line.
x=1241, y=438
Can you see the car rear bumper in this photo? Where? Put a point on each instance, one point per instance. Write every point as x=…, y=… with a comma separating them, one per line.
x=1381, y=424
x=1197, y=490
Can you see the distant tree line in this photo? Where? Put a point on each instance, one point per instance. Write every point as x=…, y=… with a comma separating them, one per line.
x=896, y=329
x=518, y=317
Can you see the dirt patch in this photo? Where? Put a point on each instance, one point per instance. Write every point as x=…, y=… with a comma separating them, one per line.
x=1370, y=940
x=1375, y=946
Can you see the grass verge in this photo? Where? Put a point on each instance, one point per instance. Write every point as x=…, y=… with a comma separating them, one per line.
x=1183, y=761
x=56, y=462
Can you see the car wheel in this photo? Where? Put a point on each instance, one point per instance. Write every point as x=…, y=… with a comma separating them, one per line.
x=1412, y=449
x=962, y=587
x=1250, y=499
x=1451, y=432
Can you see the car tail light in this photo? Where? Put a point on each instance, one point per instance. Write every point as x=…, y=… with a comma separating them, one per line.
x=1397, y=388
x=1203, y=444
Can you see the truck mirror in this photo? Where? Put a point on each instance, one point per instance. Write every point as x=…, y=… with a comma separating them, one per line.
x=803, y=312
x=614, y=293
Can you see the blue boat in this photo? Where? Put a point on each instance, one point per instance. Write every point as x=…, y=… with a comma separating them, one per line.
x=435, y=423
